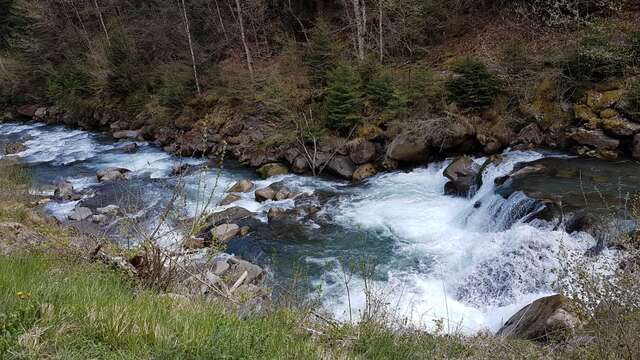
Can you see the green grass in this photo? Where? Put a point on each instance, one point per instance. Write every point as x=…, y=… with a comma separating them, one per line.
x=56, y=309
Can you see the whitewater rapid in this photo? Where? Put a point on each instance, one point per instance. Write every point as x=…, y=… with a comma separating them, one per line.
x=464, y=263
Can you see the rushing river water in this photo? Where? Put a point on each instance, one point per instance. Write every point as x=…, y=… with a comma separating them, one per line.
x=471, y=262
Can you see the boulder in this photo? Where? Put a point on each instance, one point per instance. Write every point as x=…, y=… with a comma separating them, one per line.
x=80, y=213
x=619, y=127
x=464, y=176
x=408, y=148
x=14, y=148
x=230, y=215
x=542, y=320
x=530, y=135
x=241, y=186
x=239, y=266
x=230, y=198
x=112, y=174
x=64, y=191
x=342, y=166
x=363, y=172
x=275, y=214
x=126, y=134
x=265, y=194
x=635, y=147
x=28, y=111
x=225, y=232
x=99, y=219
x=110, y=210
x=272, y=169
x=361, y=151
x=130, y=148
x=594, y=138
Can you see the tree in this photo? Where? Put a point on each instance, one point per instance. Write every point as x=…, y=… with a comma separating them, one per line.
x=474, y=87
x=193, y=56
x=319, y=54
x=343, y=103
x=244, y=39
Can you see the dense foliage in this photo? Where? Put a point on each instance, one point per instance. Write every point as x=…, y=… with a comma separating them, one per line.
x=474, y=87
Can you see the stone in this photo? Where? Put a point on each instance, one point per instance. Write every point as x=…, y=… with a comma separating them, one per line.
x=275, y=214
x=300, y=165
x=238, y=266
x=619, y=127
x=230, y=198
x=80, y=213
x=608, y=114
x=112, y=174
x=408, y=148
x=342, y=166
x=14, y=148
x=635, y=147
x=464, y=176
x=585, y=115
x=110, y=210
x=28, y=111
x=244, y=231
x=272, y=169
x=265, y=194
x=282, y=194
x=230, y=215
x=542, y=320
x=126, y=134
x=130, y=148
x=64, y=192
x=99, y=219
x=220, y=266
x=225, y=232
x=363, y=172
x=490, y=145
x=594, y=138
x=241, y=186
x=530, y=135
x=361, y=151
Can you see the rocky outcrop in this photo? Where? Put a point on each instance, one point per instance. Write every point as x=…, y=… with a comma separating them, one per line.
x=112, y=174
x=272, y=169
x=464, y=177
x=16, y=237
x=229, y=216
x=230, y=198
x=225, y=232
x=594, y=138
x=544, y=319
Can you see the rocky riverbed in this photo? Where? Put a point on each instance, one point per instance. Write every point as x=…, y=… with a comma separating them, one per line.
x=470, y=224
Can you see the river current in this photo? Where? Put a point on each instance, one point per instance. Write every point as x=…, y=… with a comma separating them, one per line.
x=467, y=263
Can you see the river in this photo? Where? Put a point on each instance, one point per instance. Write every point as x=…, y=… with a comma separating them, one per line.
x=467, y=264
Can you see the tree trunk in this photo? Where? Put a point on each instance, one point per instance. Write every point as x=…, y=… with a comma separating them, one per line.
x=380, y=44
x=193, y=56
x=360, y=15
x=224, y=30
x=244, y=40
x=104, y=27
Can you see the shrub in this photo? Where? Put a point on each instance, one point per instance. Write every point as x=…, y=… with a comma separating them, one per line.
x=634, y=48
x=343, y=102
x=595, y=59
x=379, y=90
x=567, y=12
x=474, y=87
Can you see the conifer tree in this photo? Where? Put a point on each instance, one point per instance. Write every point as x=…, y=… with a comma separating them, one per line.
x=319, y=54
x=343, y=102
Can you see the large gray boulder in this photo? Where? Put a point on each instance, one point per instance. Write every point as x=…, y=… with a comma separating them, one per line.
x=230, y=215
x=225, y=232
x=361, y=151
x=408, y=148
x=464, y=175
x=64, y=191
x=620, y=127
x=272, y=169
x=342, y=166
x=542, y=320
x=241, y=186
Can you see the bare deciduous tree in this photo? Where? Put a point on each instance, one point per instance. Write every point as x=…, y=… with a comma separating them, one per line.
x=104, y=27
x=244, y=39
x=193, y=56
